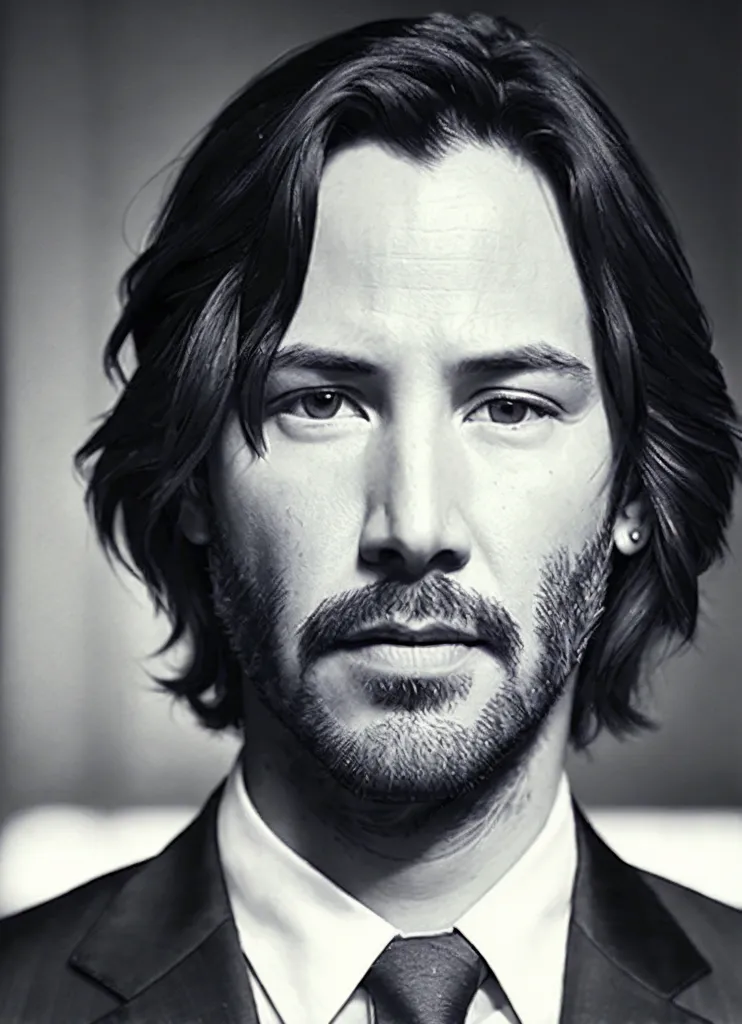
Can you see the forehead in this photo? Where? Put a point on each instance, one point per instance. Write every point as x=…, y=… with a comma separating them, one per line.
x=473, y=244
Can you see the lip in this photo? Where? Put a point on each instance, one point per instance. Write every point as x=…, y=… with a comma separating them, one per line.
x=393, y=633
x=420, y=660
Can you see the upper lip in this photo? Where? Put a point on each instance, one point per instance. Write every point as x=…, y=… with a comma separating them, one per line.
x=396, y=633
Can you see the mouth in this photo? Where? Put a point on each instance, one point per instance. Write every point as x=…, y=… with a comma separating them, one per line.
x=395, y=634
x=429, y=650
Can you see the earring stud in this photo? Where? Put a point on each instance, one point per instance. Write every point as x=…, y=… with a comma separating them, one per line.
x=635, y=536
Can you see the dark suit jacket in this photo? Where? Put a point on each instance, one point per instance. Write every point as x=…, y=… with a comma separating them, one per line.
x=156, y=943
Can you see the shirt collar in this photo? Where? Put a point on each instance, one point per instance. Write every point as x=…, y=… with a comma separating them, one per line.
x=524, y=918
x=294, y=922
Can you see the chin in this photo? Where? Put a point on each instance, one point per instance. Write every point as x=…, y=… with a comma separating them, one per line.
x=418, y=743
x=414, y=758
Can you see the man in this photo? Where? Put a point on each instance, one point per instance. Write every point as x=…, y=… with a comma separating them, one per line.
x=424, y=454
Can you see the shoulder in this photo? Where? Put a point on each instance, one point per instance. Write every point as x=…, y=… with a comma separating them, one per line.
x=38, y=985
x=36, y=944
x=714, y=928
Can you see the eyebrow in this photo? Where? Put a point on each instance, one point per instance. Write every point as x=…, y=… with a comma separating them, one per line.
x=306, y=357
x=528, y=359
x=537, y=357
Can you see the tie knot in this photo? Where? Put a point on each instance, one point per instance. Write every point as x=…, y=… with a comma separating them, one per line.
x=429, y=980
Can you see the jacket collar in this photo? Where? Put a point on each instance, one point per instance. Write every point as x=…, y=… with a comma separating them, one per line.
x=627, y=957
x=167, y=945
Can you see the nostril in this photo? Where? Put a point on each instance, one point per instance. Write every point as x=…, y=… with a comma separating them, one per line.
x=405, y=565
x=449, y=560
x=384, y=557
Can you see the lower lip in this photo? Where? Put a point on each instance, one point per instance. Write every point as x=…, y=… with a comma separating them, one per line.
x=431, y=659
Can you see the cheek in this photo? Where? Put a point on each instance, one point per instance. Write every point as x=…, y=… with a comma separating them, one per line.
x=556, y=498
x=295, y=528
x=519, y=521
x=527, y=518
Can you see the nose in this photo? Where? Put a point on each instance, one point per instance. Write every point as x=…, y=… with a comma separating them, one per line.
x=414, y=523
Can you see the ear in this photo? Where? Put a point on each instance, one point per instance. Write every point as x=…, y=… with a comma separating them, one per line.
x=192, y=518
x=633, y=526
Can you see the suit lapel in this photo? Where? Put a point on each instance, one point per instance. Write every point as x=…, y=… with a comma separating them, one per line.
x=167, y=945
x=209, y=986
x=627, y=957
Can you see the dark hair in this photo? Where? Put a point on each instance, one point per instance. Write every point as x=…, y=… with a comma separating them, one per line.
x=210, y=298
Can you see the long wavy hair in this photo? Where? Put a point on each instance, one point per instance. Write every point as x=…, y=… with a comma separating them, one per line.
x=207, y=303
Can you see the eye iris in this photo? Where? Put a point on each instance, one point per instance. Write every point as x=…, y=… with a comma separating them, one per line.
x=321, y=405
x=510, y=410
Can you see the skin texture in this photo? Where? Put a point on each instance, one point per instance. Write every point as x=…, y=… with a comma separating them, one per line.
x=423, y=486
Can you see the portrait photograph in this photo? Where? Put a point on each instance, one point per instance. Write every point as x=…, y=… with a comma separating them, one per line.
x=370, y=571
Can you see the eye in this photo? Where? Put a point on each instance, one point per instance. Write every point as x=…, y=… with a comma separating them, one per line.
x=324, y=404
x=510, y=412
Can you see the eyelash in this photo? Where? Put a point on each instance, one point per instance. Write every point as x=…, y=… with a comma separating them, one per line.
x=542, y=410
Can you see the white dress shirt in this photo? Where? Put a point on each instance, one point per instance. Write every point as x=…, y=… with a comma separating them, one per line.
x=309, y=943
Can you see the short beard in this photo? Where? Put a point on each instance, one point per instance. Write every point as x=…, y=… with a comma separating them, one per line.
x=415, y=755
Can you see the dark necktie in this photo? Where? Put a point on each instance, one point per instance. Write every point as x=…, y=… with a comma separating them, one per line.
x=425, y=980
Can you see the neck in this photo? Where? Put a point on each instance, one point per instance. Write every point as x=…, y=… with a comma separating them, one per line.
x=418, y=866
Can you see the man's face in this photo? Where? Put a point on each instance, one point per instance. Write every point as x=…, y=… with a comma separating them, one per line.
x=408, y=574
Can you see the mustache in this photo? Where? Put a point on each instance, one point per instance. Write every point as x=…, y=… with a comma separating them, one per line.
x=436, y=597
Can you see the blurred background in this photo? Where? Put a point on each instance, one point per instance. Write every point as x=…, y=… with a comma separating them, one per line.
x=98, y=100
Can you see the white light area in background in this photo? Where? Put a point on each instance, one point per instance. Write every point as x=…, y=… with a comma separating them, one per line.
x=45, y=851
